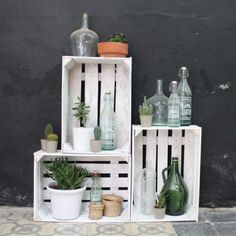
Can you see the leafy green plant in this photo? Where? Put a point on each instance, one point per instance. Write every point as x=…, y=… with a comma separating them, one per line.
x=120, y=37
x=146, y=108
x=48, y=130
x=52, y=137
x=82, y=111
x=66, y=175
x=161, y=200
x=97, y=133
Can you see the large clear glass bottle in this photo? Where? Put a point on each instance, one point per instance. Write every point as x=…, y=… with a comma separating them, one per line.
x=160, y=106
x=107, y=124
x=84, y=41
x=148, y=191
x=185, y=96
x=96, y=190
x=174, y=106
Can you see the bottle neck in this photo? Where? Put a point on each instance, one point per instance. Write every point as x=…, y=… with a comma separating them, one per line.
x=159, y=87
x=183, y=78
x=84, y=20
x=175, y=166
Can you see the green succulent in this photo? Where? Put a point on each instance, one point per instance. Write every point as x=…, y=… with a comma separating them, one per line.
x=120, y=37
x=146, y=108
x=68, y=176
x=161, y=202
x=82, y=111
x=48, y=130
x=52, y=137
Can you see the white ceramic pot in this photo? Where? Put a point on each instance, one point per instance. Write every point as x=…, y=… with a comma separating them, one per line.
x=81, y=139
x=43, y=144
x=65, y=204
x=146, y=120
x=51, y=146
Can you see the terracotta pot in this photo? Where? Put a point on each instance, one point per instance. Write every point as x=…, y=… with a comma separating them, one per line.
x=146, y=120
x=159, y=213
x=112, y=49
x=96, y=145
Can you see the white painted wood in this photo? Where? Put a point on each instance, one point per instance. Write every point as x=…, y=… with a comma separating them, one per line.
x=91, y=92
x=151, y=149
x=162, y=156
x=176, y=145
x=123, y=106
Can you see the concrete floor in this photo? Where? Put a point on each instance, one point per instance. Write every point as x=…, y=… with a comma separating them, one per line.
x=18, y=221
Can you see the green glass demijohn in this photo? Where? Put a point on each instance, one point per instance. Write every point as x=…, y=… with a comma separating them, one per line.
x=175, y=190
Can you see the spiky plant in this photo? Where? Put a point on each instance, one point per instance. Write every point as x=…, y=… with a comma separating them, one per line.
x=82, y=111
x=97, y=133
x=146, y=108
x=68, y=176
x=48, y=130
x=120, y=37
x=161, y=200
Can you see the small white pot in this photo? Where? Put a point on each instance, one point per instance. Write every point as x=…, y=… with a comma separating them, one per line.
x=51, y=146
x=43, y=144
x=81, y=139
x=146, y=120
x=65, y=204
x=159, y=213
x=96, y=145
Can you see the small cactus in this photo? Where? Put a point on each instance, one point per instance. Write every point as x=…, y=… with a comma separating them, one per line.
x=52, y=137
x=48, y=130
x=97, y=133
x=146, y=108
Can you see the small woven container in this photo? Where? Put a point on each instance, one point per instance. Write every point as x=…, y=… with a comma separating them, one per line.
x=112, y=205
x=95, y=211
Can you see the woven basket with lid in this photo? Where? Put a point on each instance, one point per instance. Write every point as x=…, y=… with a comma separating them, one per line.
x=96, y=211
x=112, y=205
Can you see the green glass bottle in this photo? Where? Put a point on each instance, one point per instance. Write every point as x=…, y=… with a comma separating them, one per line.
x=175, y=190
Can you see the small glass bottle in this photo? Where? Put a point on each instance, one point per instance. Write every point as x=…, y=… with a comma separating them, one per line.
x=173, y=106
x=185, y=96
x=96, y=190
x=107, y=124
x=160, y=106
x=84, y=41
x=148, y=190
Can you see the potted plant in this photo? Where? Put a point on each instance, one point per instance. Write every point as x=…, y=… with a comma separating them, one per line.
x=145, y=112
x=67, y=192
x=160, y=207
x=52, y=142
x=47, y=130
x=96, y=143
x=82, y=135
x=117, y=46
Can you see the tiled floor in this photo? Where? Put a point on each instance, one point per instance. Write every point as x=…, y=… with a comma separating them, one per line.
x=18, y=221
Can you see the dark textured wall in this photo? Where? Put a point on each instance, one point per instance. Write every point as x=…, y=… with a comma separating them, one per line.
x=163, y=35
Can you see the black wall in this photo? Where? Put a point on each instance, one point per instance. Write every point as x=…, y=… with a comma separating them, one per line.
x=163, y=35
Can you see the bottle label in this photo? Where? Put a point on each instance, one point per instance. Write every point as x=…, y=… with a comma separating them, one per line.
x=173, y=113
x=185, y=108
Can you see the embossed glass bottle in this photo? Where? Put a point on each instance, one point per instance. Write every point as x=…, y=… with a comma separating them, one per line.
x=84, y=41
x=107, y=123
x=185, y=96
x=175, y=189
x=160, y=106
x=173, y=106
x=96, y=190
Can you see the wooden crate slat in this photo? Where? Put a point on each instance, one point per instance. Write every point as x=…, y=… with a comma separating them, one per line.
x=91, y=92
x=107, y=82
x=151, y=149
x=176, y=145
x=162, y=156
x=123, y=92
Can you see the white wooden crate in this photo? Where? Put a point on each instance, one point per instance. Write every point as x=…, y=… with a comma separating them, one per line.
x=91, y=77
x=157, y=145
x=115, y=178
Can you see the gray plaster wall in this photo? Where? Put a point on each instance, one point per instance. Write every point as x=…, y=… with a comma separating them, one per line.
x=163, y=35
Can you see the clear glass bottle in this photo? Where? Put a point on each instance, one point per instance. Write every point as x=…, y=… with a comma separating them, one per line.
x=160, y=106
x=96, y=190
x=148, y=191
x=84, y=41
x=174, y=106
x=107, y=124
x=185, y=96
